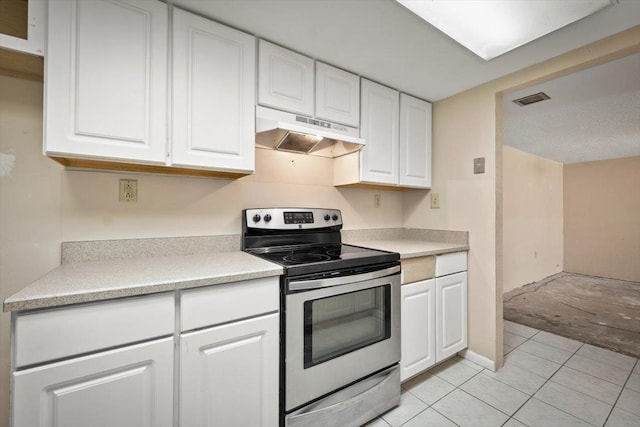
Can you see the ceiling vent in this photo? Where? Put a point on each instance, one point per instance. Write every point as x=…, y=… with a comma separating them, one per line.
x=531, y=99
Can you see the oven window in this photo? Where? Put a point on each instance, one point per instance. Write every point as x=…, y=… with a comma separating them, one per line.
x=340, y=324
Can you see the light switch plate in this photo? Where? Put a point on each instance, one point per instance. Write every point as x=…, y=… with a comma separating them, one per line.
x=478, y=165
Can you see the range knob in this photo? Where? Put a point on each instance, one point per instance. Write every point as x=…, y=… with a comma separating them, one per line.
x=334, y=217
x=327, y=217
x=267, y=218
x=256, y=218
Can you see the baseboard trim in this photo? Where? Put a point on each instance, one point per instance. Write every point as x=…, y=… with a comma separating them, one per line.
x=478, y=359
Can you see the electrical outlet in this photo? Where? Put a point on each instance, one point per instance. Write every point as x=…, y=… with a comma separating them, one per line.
x=435, y=200
x=376, y=200
x=128, y=190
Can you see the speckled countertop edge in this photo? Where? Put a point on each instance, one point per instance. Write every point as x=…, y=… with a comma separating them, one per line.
x=408, y=248
x=93, y=271
x=103, y=280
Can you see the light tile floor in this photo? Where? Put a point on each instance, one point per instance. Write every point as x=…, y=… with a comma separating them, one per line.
x=547, y=381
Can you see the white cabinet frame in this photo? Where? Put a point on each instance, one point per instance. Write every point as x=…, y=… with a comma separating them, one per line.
x=418, y=328
x=451, y=315
x=34, y=44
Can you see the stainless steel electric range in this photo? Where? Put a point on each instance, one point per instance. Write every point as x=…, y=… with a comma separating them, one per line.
x=340, y=317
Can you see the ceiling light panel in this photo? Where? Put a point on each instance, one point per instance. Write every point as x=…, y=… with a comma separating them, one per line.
x=490, y=28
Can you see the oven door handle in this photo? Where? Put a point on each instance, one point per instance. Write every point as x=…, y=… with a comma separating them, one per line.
x=303, y=285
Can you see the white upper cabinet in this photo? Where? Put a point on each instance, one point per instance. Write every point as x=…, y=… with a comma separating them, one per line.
x=213, y=95
x=379, y=128
x=33, y=41
x=337, y=95
x=106, y=80
x=285, y=79
x=415, y=142
x=397, y=131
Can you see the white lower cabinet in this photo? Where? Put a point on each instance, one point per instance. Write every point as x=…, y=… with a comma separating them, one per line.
x=229, y=355
x=229, y=374
x=127, y=387
x=451, y=315
x=434, y=316
x=418, y=327
x=112, y=363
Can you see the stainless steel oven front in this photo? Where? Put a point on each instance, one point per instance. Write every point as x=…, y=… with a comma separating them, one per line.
x=339, y=330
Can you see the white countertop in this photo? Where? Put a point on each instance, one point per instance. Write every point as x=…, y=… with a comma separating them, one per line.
x=101, y=280
x=408, y=248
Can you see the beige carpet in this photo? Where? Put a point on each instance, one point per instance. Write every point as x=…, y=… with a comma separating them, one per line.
x=595, y=310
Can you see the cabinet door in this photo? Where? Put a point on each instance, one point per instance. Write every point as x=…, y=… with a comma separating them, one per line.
x=379, y=128
x=106, y=80
x=337, y=95
x=418, y=328
x=451, y=315
x=213, y=95
x=415, y=142
x=127, y=387
x=229, y=374
x=285, y=79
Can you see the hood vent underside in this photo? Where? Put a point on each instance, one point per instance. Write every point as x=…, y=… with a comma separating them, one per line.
x=279, y=130
x=298, y=142
x=531, y=99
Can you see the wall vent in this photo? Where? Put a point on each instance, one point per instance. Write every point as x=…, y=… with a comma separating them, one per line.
x=531, y=99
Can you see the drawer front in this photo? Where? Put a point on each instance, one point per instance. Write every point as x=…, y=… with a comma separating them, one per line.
x=69, y=331
x=224, y=303
x=417, y=269
x=451, y=263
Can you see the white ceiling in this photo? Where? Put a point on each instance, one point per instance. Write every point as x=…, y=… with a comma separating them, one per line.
x=592, y=115
x=382, y=40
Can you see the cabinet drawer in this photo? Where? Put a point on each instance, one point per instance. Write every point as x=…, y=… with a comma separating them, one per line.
x=417, y=269
x=451, y=263
x=224, y=303
x=64, y=332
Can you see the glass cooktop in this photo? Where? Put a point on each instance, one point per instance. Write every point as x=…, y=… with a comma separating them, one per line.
x=324, y=257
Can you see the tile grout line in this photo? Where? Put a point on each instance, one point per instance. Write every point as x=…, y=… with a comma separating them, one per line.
x=497, y=409
x=568, y=367
x=445, y=395
x=457, y=388
x=509, y=417
x=577, y=370
x=543, y=384
x=621, y=391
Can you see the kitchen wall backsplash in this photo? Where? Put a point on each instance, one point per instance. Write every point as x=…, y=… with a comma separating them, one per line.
x=170, y=206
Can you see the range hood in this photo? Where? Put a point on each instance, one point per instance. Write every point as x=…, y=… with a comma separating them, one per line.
x=279, y=130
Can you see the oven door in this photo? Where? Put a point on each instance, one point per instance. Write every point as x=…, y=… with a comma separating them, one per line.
x=339, y=331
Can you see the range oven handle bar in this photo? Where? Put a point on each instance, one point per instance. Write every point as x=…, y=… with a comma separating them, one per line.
x=304, y=285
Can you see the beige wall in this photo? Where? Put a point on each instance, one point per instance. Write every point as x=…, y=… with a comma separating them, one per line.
x=468, y=125
x=602, y=218
x=532, y=218
x=30, y=204
x=182, y=206
x=463, y=128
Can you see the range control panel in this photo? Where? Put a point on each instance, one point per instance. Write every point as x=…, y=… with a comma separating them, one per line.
x=292, y=218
